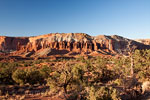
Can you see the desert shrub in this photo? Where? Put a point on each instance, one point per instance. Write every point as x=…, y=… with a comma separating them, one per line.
x=34, y=76
x=45, y=71
x=103, y=93
x=143, y=75
x=78, y=73
x=60, y=79
x=101, y=72
x=142, y=62
x=2, y=65
x=83, y=80
x=19, y=76
x=38, y=61
x=92, y=93
x=53, y=82
x=6, y=74
x=28, y=63
x=81, y=58
x=122, y=63
x=13, y=64
x=105, y=74
x=31, y=76
x=118, y=82
x=79, y=80
x=141, y=59
x=101, y=61
x=47, y=60
x=69, y=79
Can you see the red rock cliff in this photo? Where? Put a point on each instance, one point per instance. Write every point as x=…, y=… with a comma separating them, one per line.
x=76, y=42
x=12, y=43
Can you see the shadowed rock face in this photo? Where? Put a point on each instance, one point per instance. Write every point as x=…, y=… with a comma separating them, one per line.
x=74, y=42
x=12, y=43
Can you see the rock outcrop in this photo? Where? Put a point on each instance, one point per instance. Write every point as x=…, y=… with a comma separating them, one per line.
x=63, y=43
x=144, y=41
x=12, y=43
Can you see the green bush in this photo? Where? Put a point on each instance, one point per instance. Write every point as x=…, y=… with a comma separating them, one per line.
x=103, y=93
x=38, y=61
x=31, y=76
x=6, y=74
x=28, y=63
x=34, y=76
x=19, y=76
x=45, y=71
x=2, y=65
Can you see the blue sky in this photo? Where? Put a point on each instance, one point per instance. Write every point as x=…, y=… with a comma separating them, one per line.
x=127, y=18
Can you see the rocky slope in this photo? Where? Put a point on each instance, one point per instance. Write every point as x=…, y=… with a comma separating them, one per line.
x=144, y=41
x=66, y=43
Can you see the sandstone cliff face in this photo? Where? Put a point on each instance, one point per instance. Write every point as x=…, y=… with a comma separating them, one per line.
x=56, y=43
x=12, y=43
x=72, y=42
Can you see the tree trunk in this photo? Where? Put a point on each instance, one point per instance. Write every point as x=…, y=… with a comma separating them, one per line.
x=65, y=89
x=132, y=65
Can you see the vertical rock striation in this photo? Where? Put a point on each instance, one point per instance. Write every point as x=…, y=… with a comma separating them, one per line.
x=76, y=42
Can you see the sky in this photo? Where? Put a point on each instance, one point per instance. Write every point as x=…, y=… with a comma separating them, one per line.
x=127, y=18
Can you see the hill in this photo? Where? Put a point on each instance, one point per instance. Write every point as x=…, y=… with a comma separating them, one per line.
x=66, y=44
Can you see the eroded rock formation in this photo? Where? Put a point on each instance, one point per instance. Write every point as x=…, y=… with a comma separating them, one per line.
x=12, y=43
x=63, y=43
x=144, y=41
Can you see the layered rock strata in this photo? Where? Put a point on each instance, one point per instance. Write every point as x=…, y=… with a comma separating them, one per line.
x=76, y=42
